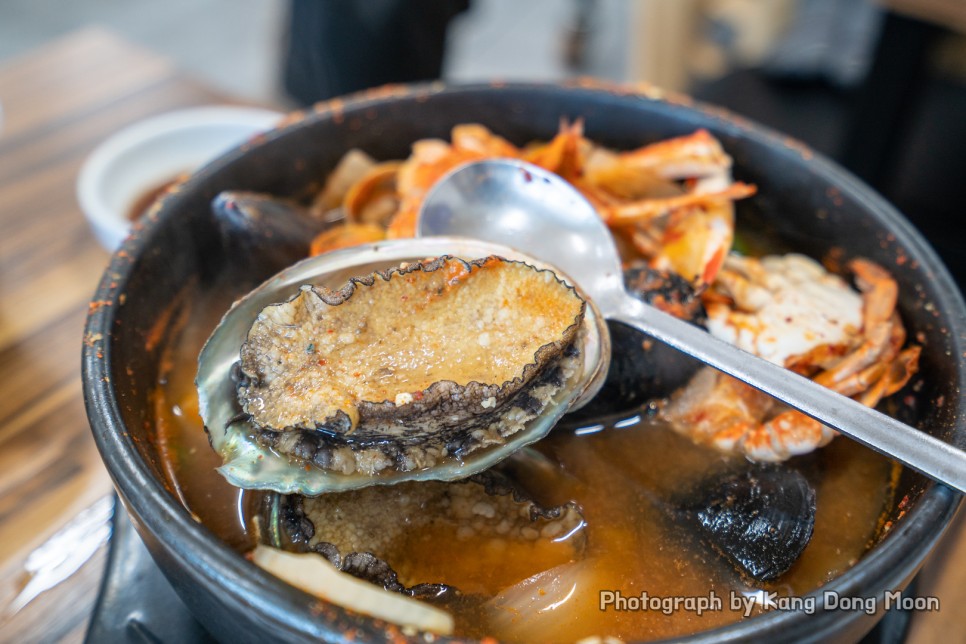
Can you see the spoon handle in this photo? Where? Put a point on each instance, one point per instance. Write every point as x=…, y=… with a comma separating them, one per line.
x=920, y=451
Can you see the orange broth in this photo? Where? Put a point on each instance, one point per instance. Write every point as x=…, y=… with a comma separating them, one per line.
x=614, y=474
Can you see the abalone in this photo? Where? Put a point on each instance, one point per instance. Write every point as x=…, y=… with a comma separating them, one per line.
x=417, y=537
x=404, y=369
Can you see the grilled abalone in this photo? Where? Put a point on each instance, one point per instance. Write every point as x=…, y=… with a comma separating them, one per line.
x=404, y=369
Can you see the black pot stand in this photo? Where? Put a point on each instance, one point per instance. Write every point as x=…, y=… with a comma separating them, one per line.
x=136, y=604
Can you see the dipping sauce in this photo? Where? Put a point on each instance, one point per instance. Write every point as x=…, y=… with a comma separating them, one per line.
x=617, y=475
x=144, y=201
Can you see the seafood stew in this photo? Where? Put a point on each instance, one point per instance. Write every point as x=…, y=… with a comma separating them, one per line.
x=186, y=262
x=671, y=203
x=636, y=533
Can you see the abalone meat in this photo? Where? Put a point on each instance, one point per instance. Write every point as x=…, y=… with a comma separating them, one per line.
x=426, y=538
x=435, y=369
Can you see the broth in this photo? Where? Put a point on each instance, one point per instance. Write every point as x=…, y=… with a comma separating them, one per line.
x=615, y=474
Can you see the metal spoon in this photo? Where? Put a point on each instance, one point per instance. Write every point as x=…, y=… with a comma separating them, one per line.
x=523, y=206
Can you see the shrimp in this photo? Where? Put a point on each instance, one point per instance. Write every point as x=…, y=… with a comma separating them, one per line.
x=677, y=206
x=790, y=311
x=346, y=236
x=693, y=156
x=670, y=203
x=372, y=199
x=429, y=161
x=564, y=154
x=432, y=158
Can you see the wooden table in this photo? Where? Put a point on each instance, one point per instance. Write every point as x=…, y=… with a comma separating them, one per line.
x=58, y=103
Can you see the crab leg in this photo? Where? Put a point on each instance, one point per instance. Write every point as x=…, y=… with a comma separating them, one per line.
x=645, y=210
x=879, y=294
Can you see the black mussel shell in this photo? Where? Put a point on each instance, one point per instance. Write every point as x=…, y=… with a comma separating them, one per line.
x=759, y=519
x=275, y=232
x=641, y=368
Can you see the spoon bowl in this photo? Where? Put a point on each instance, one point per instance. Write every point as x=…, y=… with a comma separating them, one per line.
x=525, y=207
x=516, y=203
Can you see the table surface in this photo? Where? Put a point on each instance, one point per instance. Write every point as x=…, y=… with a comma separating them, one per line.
x=59, y=102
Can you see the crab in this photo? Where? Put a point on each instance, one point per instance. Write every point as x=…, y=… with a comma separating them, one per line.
x=791, y=311
x=669, y=203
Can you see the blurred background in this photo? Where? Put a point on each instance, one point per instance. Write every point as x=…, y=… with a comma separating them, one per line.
x=879, y=85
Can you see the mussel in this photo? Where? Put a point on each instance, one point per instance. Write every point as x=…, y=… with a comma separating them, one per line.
x=276, y=231
x=643, y=369
x=759, y=518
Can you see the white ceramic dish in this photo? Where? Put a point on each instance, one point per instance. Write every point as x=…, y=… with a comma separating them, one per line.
x=149, y=153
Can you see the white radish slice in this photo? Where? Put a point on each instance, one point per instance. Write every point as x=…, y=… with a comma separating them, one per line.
x=316, y=576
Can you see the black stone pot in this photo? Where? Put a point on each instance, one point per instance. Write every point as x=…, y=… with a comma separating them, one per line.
x=810, y=204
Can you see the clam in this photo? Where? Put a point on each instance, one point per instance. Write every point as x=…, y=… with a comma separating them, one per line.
x=419, y=428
